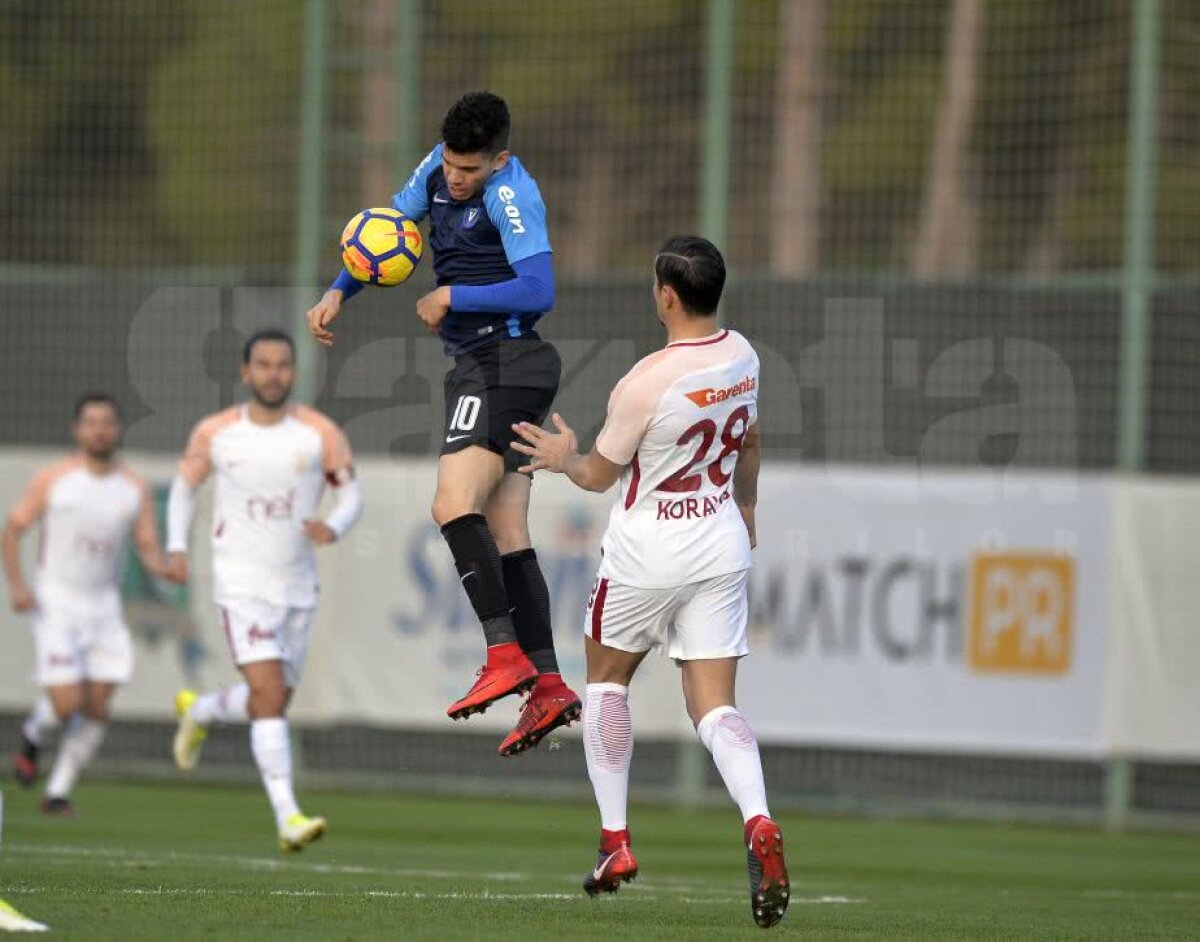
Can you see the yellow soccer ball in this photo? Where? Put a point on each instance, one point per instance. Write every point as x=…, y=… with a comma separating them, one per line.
x=381, y=247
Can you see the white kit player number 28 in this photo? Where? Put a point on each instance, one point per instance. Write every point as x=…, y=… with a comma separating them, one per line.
x=732, y=436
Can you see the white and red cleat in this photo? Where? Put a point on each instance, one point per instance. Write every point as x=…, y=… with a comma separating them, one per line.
x=616, y=864
x=769, y=888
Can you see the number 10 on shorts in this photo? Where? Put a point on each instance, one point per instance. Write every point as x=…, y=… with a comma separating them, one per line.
x=466, y=413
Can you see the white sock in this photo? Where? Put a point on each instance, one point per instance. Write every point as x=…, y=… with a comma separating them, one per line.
x=227, y=705
x=40, y=721
x=608, y=745
x=79, y=745
x=727, y=735
x=273, y=753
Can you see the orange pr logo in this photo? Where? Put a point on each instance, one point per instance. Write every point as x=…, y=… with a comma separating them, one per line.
x=1021, y=614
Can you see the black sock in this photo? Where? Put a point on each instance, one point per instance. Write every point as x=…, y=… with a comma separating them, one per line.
x=478, y=563
x=527, y=592
x=28, y=749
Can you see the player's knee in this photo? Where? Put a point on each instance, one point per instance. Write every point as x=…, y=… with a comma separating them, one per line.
x=97, y=711
x=66, y=704
x=267, y=701
x=448, y=506
x=510, y=536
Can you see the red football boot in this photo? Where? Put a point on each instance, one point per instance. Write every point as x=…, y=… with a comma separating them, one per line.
x=24, y=763
x=58, y=807
x=506, y=672
x=615, y=866
x=551, y=704
x=769, y=889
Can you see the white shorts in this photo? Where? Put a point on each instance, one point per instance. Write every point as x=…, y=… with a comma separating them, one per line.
x=696, y=622
x=73, y=648
x=259, y=631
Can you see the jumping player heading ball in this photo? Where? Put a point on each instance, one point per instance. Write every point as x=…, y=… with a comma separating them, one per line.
x=492, y=259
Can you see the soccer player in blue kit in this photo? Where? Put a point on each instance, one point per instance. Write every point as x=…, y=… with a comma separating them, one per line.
x=495, y=280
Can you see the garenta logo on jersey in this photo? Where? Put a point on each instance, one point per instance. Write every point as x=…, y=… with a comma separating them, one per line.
x=996, y=613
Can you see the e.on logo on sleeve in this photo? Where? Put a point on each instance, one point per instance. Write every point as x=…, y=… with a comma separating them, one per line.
x=1022, y=611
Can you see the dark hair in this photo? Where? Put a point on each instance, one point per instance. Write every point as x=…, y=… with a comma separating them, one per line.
x=95, y=398
x=694, y=268
x=267, y=333
x=477, y=122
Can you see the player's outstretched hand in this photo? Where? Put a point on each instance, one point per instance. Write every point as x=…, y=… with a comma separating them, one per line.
x=177, y=568
x=319, y=532
x=22, y=599
x=433, y=308
x=322, y=314
x=549, y=450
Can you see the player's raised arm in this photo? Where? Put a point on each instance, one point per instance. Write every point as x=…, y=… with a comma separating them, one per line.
x=24, y=514
x=413, y=200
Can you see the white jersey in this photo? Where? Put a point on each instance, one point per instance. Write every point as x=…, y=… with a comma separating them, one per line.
x=86, y=523
x=677, y=421
x=269, y=480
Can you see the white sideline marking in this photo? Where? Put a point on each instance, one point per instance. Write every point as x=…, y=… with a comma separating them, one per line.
x=1140, y=894
x=648, y=890
x=135, y=858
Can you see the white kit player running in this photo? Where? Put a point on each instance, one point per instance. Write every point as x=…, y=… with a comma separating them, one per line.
x=271, y=461
x=88, y=505
x=681, y=436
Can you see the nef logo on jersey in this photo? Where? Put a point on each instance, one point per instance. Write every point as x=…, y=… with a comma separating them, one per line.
x=710, y=397
x=507, y=194
x=271, y=508
x=1021, y=614
x=92, y=547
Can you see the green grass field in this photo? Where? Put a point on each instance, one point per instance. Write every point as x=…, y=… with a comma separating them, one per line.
x=162, y=861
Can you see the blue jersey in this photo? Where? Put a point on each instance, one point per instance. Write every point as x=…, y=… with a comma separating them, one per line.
x=478, y=241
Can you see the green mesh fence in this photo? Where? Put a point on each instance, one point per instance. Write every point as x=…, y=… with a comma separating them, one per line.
x=909, y=190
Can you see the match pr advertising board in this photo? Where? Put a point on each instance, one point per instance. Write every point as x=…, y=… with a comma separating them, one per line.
x=943, y=611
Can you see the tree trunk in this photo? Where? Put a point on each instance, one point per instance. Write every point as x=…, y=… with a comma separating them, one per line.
x=584, y=247
x=795, y=210
x=378, y=103
x=948, y=230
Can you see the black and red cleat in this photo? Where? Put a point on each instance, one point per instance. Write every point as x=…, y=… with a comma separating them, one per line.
x=769, y=888
x=24, y=762
x=616, y=864
x=58, y=807
x=551, y=704
x=506, y=672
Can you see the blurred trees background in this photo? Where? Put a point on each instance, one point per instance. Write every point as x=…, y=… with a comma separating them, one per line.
x=939, y=138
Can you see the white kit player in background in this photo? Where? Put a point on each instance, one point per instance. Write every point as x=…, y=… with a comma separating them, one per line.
x=271, y=460
x=88, y=505
x=682, y=438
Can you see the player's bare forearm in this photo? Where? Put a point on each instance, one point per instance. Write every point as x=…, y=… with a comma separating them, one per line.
x=745, y=475
x=20, y=597
x=153, y=558
x=745, y=482
x=590, y=471
x=12, y=555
